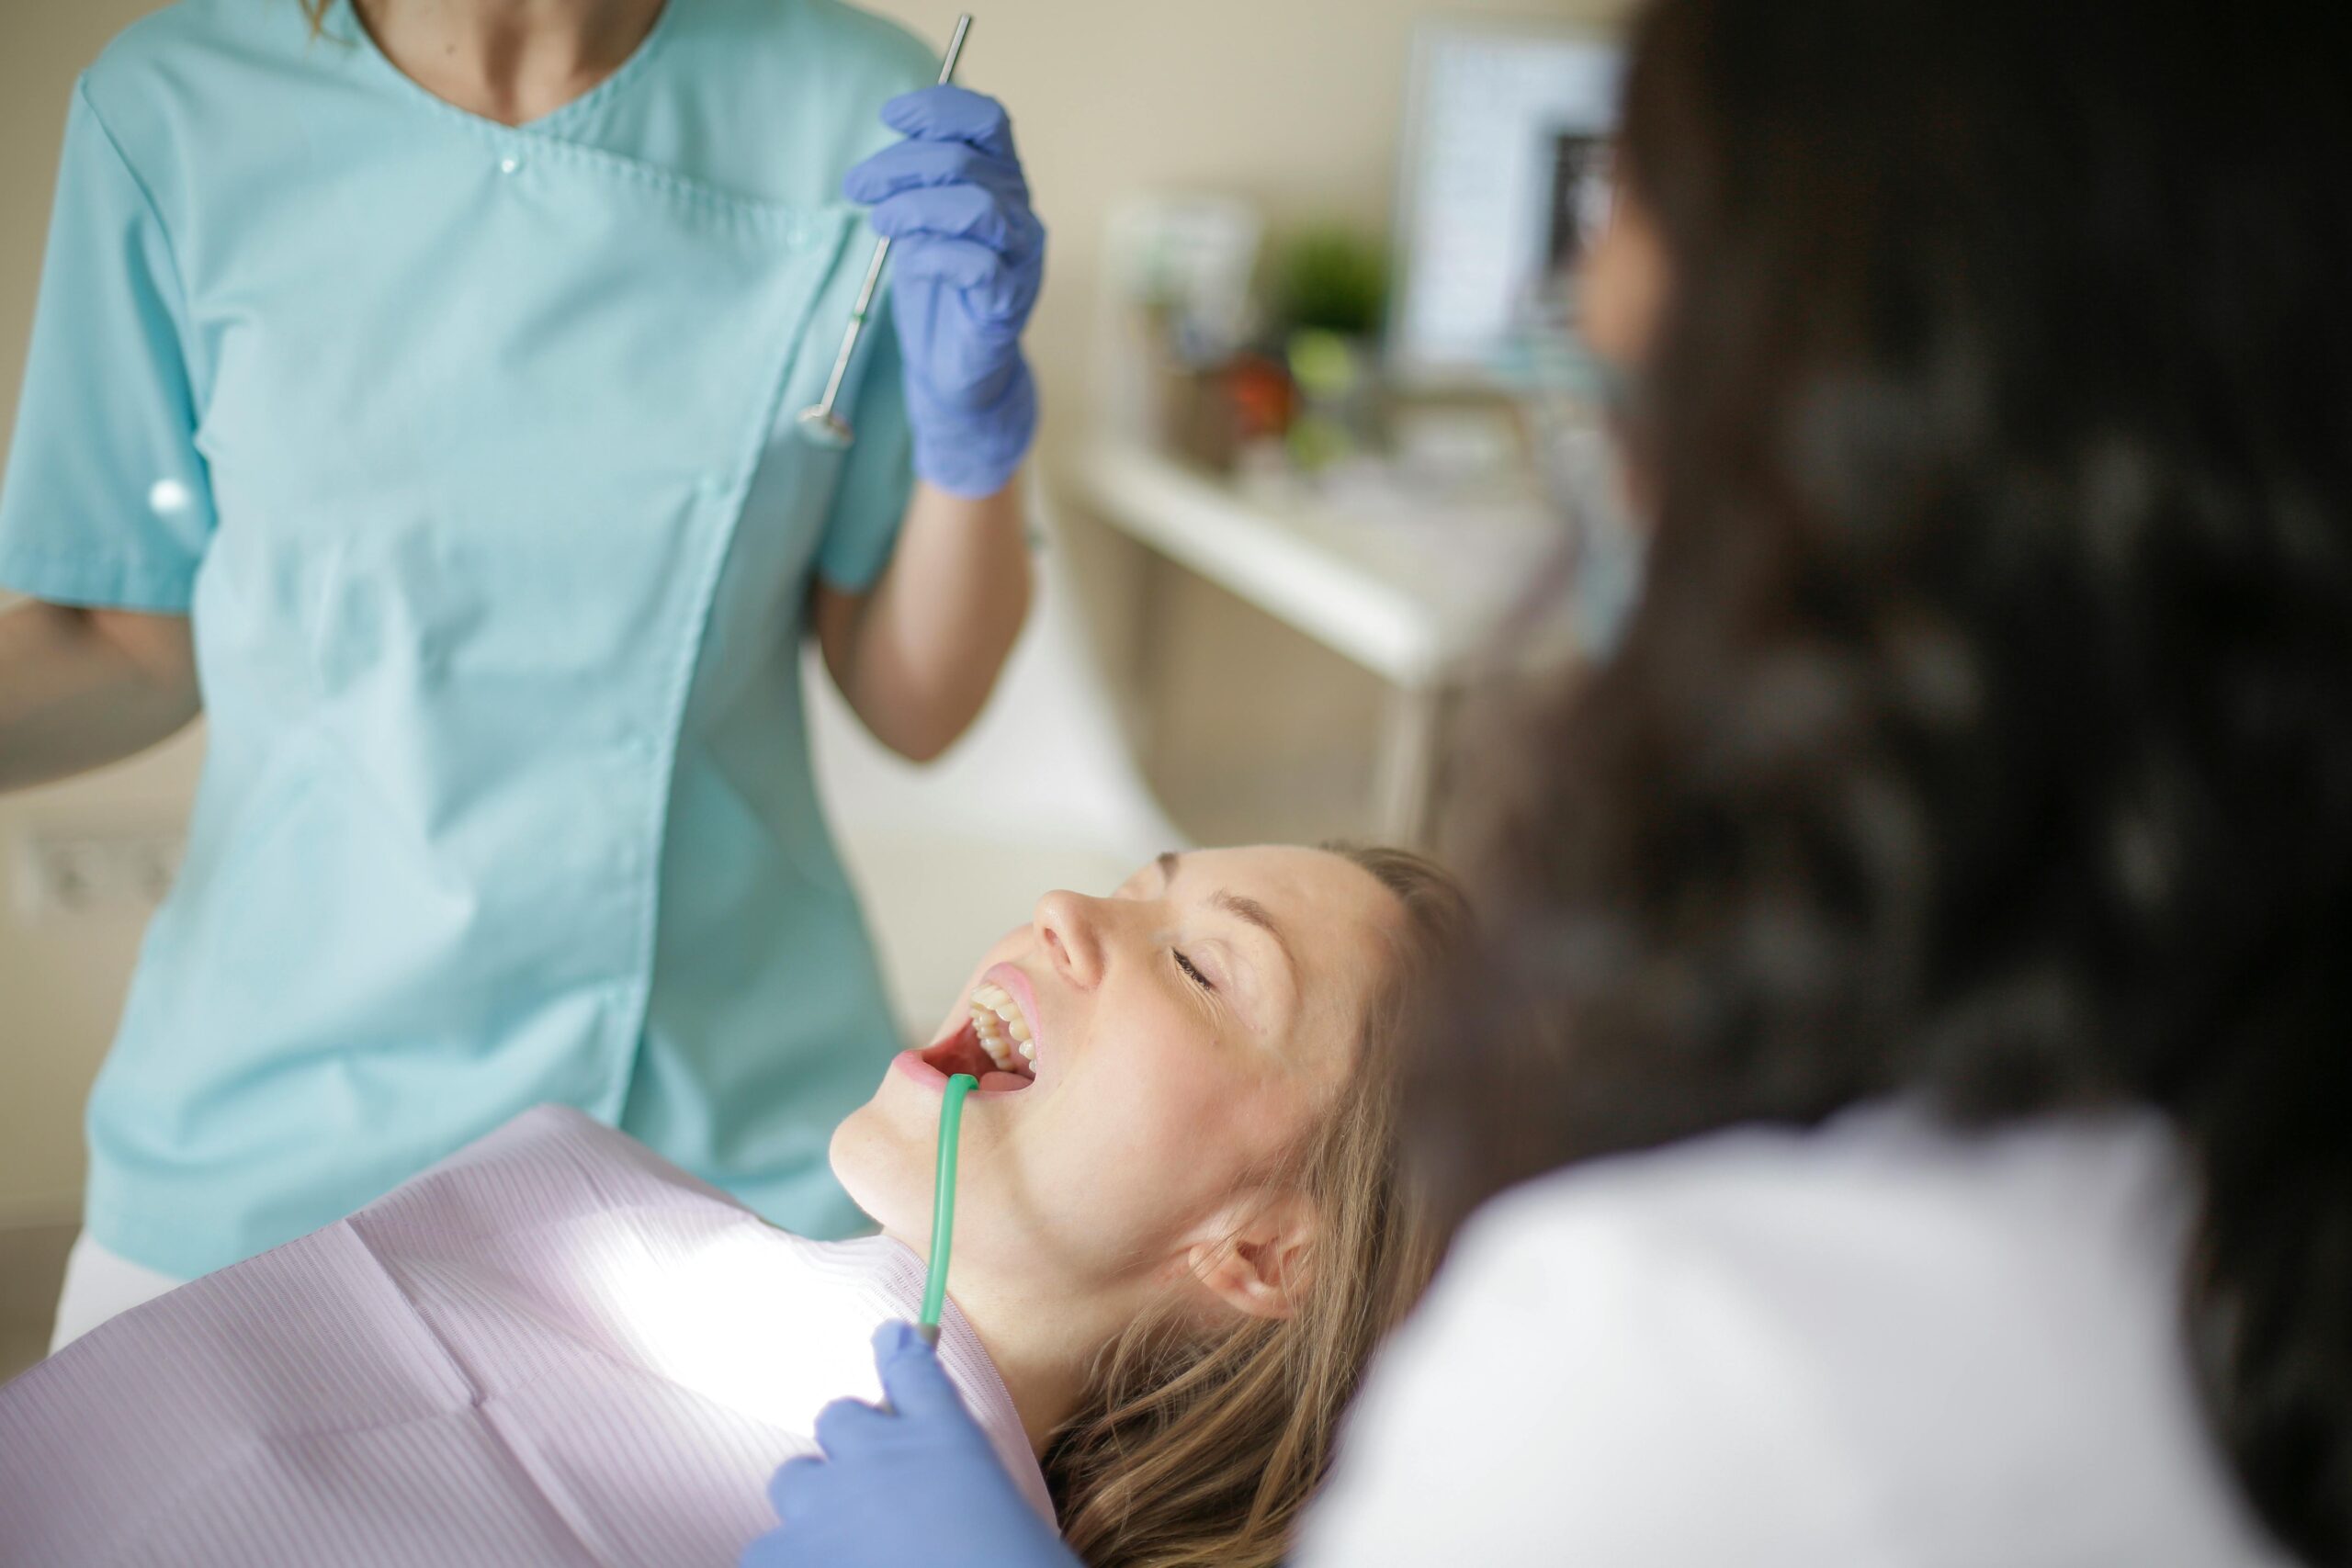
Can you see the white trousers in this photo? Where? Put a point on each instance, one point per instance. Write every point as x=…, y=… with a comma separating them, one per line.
x=97, y=1286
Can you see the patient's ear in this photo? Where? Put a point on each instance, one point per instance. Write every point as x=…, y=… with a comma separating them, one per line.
x=1257, y=1255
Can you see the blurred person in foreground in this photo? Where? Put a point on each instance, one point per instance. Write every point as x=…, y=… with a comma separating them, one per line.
x=1901, y=1105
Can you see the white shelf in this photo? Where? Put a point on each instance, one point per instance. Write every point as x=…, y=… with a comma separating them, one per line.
x=1414, y=597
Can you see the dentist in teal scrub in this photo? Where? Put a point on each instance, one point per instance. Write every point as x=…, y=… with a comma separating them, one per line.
x=412, y=391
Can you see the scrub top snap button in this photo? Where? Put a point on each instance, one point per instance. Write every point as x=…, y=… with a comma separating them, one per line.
x=510, y=165
x=169, y=498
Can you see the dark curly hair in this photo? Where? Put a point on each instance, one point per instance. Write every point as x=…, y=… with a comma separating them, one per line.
x=1985, y=733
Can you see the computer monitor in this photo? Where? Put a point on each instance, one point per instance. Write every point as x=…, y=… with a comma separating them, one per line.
x=1504, y=177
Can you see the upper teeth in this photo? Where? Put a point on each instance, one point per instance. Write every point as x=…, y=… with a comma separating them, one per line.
x=1003, y=1032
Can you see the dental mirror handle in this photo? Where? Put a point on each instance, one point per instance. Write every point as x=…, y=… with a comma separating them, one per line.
x=822, y=421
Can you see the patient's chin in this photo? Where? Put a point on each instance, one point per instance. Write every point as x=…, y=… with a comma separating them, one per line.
x=874, y=1168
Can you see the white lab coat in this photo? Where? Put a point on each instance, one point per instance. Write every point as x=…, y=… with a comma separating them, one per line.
x=1876, y=1343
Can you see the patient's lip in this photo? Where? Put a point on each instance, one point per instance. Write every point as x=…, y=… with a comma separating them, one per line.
x=911, y=1064
x=931, y=1080
x=1024, y=996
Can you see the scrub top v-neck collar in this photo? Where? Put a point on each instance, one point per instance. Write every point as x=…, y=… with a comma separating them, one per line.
x=551, y=123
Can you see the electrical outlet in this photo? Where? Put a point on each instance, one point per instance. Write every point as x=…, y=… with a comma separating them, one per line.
x=60, y=874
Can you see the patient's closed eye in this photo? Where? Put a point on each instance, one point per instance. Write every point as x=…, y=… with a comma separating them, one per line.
x=1192, y=971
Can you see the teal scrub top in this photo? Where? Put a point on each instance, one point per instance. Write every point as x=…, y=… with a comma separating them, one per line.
x=469, y=452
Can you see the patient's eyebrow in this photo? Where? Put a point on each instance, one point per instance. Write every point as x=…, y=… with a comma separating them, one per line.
x=1250, y=909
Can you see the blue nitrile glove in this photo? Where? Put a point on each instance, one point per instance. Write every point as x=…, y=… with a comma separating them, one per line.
x=967, y=257
x=915, y=1484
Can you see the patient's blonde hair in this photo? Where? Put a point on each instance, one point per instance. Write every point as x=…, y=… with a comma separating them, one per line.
x=1196, y=1451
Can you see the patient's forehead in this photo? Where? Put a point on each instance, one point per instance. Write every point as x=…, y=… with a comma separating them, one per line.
x=1310, y=884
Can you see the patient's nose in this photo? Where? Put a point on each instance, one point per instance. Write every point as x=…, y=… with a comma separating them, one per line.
x=1070, y=925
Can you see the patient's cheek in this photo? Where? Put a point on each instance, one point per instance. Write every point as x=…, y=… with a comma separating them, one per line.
x=1205, y=1132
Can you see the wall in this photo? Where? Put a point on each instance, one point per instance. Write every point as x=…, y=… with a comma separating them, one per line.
x=1294, y=103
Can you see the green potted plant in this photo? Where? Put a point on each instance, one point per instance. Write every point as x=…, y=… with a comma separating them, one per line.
x=1330, y=294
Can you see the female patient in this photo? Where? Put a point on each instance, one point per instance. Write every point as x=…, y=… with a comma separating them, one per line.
x=1177, y=1237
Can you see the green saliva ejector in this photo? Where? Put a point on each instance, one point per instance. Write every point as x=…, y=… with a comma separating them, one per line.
x=942, y=1204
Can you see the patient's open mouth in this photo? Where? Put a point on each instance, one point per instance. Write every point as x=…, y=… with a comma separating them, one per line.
x=993, y=1046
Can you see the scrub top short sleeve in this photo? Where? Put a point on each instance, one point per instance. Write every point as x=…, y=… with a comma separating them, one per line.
x=878, y=475
x=106, y=503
